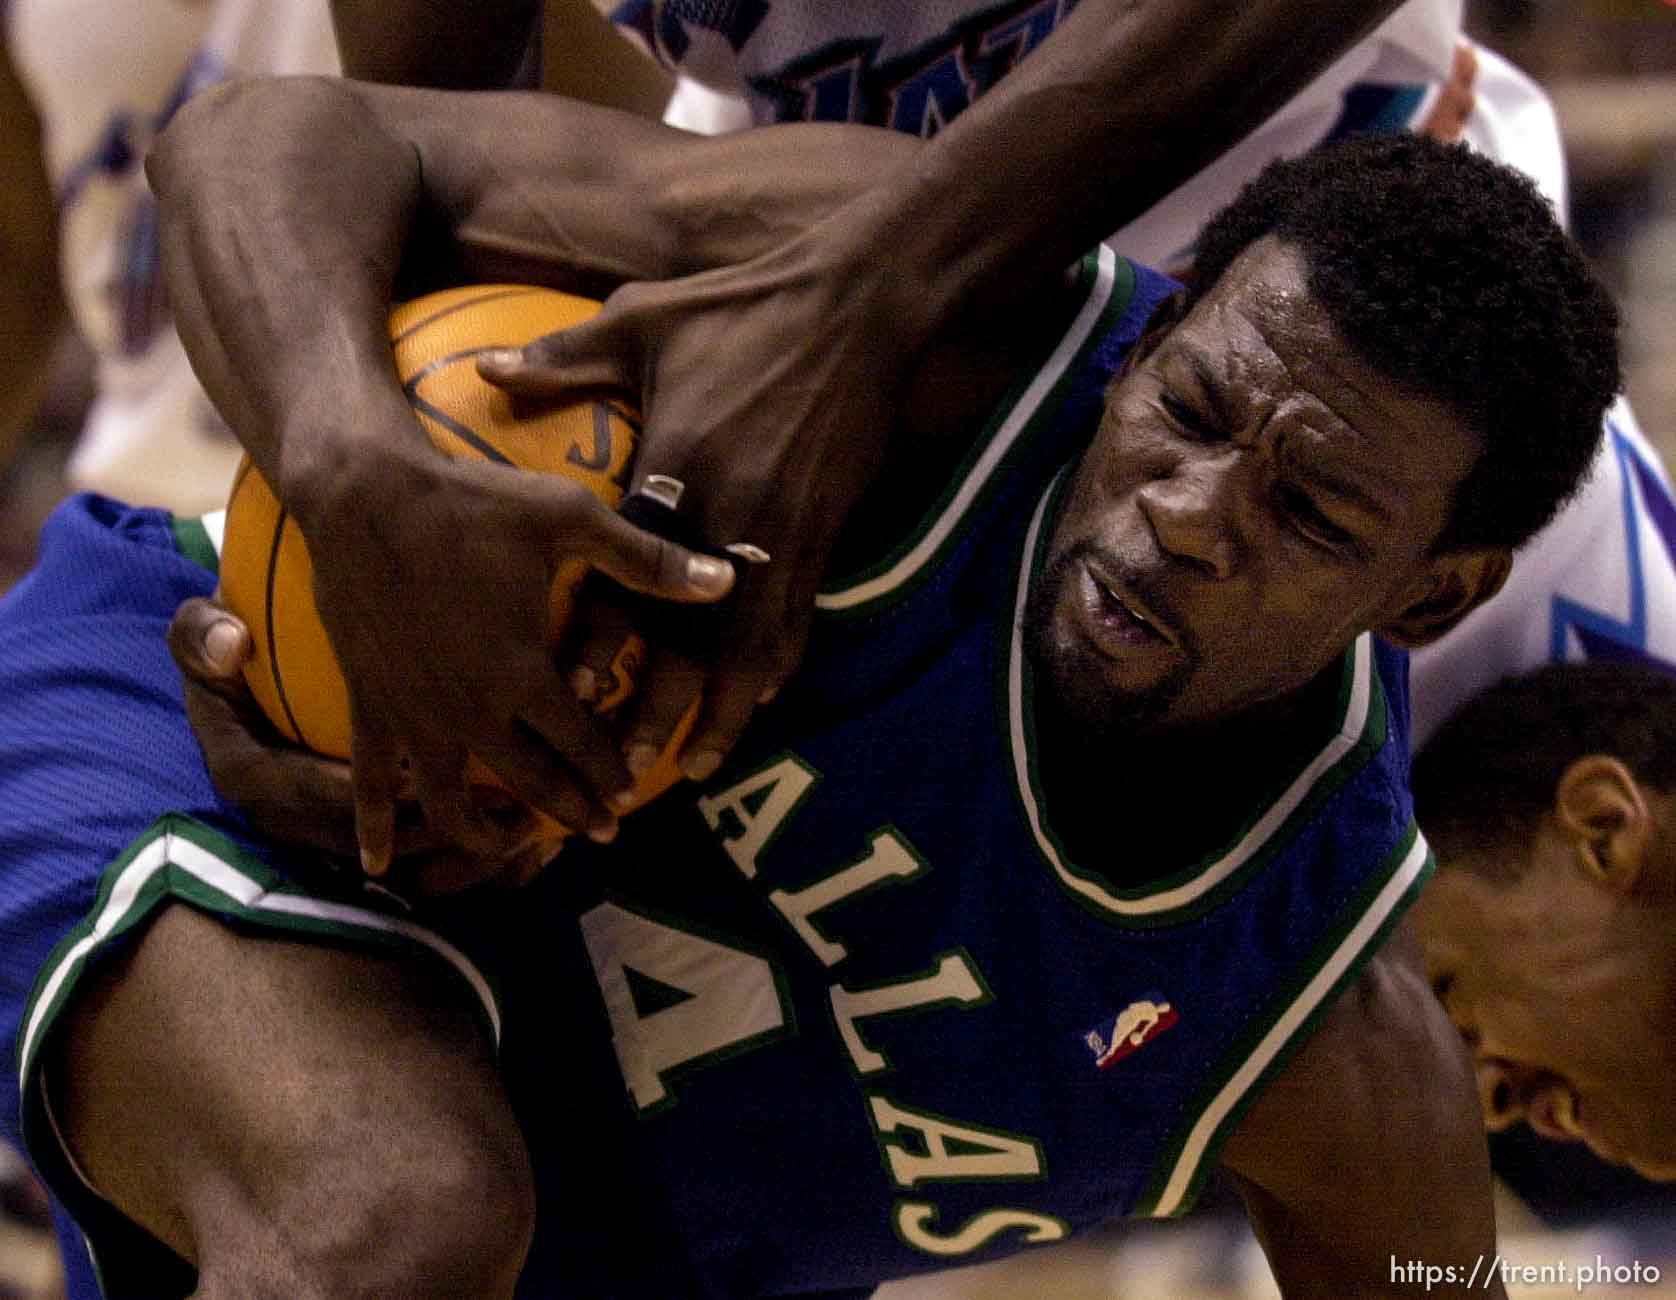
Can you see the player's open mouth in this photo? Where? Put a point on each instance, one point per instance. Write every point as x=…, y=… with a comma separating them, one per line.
x=1115, y=618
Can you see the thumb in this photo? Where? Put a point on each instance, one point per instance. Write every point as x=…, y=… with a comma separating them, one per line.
x=599, y=353
x=644, y=562
x=208, y=642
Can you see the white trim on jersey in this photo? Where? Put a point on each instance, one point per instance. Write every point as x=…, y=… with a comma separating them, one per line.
x=242, y=892
x=1350, y=951
x=1350, y=732
x=937, y=533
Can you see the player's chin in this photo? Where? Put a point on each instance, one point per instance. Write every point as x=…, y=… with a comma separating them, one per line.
x=1106, y=697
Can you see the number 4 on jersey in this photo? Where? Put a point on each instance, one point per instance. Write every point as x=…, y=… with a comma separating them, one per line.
x=676, y=998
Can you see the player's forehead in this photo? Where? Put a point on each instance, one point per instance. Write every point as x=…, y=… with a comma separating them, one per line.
x=1262, y=337
x=1261, y=353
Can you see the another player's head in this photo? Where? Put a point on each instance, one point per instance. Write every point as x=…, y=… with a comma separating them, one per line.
x=1550, y=929
x=1391, y=372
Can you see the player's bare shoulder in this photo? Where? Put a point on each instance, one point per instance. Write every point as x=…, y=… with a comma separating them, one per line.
x=1366, y=1147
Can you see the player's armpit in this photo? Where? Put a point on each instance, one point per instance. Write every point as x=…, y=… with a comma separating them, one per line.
x=1366, y=1152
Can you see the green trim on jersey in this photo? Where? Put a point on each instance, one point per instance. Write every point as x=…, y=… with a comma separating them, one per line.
x=1354, y=741
x=1266, y=1047
x=179, y=859
x=199, y=538
x=1108, y=281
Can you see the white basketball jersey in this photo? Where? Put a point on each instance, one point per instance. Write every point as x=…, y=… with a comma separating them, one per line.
x=105, y=79
x=913, y=64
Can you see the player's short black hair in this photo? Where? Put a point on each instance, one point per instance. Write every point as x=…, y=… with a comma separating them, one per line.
x=1488, y=775
x=1449, y=273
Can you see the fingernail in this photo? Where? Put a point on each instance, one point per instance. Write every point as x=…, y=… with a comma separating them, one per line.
x=709, y=573
x=768, y=693
x=604, y=833
x=583, y=683
x=221, y=645
x=502, y=358
x=640, y=756
x=624, y=800
x=372, y=864
x=702, y=765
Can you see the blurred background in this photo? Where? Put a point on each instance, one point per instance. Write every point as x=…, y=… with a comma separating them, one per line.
x=1610, y=67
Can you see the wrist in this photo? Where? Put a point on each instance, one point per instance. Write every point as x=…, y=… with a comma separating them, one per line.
x=334, y=470
x=878, y=244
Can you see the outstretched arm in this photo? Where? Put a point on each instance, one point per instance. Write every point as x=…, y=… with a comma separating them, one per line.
x=1363, y=1165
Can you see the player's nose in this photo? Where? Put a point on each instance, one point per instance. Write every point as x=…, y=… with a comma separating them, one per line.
x=1195, y=510
x=1509, y=1093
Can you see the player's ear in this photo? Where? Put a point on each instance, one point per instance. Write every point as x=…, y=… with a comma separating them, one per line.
x=1603, y=812
x=1165, y=317
x=1455, y=583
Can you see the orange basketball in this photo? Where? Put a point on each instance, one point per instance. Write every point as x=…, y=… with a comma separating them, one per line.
x=267, y=578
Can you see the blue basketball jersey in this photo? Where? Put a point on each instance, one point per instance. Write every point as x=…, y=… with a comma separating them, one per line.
x=847, y=1012
x=871, y=1017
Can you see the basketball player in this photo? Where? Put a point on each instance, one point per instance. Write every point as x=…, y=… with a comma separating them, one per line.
x=84, y=88
x=1600, y=582
x=983, y=934
x=1548, y=929
x=1003, y=194
x=1018, y=176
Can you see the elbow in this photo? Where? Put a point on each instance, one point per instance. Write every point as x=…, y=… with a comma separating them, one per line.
x=221, y=129
x=192, y=131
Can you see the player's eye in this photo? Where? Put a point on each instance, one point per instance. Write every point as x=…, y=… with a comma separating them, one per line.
x=1309, y=521
x=1191, y=420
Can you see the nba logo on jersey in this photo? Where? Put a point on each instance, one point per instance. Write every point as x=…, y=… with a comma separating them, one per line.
x=1136, y=1025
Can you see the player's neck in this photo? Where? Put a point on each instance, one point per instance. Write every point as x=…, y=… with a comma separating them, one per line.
x=1174, y=796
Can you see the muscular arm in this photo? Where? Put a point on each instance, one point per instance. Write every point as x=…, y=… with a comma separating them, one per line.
x=1124, y=101
x=290, y=211
x=31, y=304
x=790, y=368
x=1118, y=105
x=324, y=194
x=1368, y=1149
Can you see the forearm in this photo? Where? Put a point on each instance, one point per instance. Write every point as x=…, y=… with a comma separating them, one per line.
x=285, y=208
x=1122, y=103
x=293, y=209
